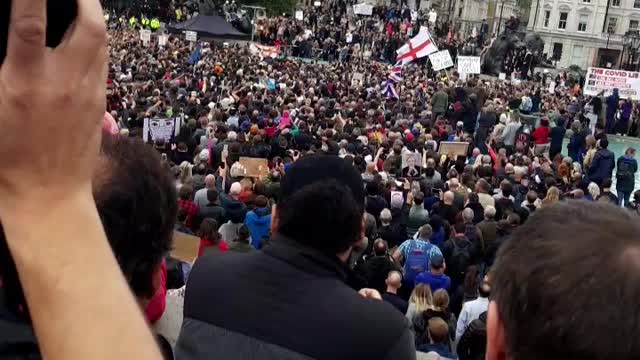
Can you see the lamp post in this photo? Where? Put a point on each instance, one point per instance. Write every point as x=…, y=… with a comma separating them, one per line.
x=631, y=42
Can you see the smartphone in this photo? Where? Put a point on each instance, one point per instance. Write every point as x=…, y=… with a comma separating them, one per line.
x=60, y=15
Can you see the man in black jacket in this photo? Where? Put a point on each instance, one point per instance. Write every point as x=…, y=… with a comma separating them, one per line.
x=295, y=299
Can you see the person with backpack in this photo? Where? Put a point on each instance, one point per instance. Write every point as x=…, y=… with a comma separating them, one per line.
x=458, y=253
x=415, y=256
x=627, y=167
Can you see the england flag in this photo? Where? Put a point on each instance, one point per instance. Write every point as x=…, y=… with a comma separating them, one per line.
x=418, y=47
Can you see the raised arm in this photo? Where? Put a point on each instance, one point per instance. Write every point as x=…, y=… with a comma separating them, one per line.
x=79, y=301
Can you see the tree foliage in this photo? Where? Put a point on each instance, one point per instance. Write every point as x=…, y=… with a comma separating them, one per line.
x=273, y=7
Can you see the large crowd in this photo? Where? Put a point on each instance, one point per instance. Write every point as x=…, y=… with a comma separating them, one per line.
x=442, y=222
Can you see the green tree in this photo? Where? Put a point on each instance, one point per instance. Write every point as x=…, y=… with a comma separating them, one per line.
x=273, y=7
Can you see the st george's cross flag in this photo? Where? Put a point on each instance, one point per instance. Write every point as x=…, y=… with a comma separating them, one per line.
x=419, y=46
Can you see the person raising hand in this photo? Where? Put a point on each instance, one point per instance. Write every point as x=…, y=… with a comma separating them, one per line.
x=78, y=299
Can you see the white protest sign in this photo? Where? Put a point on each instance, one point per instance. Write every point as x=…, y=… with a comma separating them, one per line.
x=502, y=76
x=600, y=79
x=145, y=35
x=363, y=9
x=357, y=78
x=433, y=16
x=441, y=60
x=349, y=38
x=317, y=3
x=552, y=87
x=299, y=15
x=156, y=129
x=191, y=36
x=414, y=15
x=469, y=64
x=162, y=40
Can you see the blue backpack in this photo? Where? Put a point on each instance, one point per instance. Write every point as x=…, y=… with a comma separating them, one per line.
x=417, y=260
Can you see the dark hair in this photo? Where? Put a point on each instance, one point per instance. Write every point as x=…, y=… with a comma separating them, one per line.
x=418, y=198
x=539, y=319
x=323, y=215
x=136, y=201
x=212, y=195
x=185, y=192
x=261, y=201
x=607, y=183
x=209, y=230
x=473, y=198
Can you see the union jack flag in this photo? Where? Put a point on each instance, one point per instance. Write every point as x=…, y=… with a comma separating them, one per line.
x=395, y=74
x=390, y=90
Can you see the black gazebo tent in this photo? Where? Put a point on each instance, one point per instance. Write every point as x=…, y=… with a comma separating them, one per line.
x=210, y=27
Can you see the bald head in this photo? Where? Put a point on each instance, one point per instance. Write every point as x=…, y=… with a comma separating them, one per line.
x=210, y=182
x=380, y=247
x=394, y=280
x=448, y=197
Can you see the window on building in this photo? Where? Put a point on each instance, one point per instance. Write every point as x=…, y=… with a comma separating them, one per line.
x=547, y=16
x=633, y=25
x=615, y=3
x=460, y=12
x=582, y=23
x=636, y=4
x=577, y=52
x=612, y=24
x=562, y=24
x=557, y=51
x=587, y=1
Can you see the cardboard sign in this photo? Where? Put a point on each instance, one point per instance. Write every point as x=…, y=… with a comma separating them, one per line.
x=453, y=148
x=441, y=60
x=191, y=36
x=363, y=9
x=162, y=40
x=502, y=76
x=299, y=15
x=155, y=129
x=469, y=64
x=254, y=167
x=600, y=79
x=357, y=79
x=185, y=247
x=145, y=35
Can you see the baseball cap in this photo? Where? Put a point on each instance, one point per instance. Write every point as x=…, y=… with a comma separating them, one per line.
x=437, y=261
x=320, y=168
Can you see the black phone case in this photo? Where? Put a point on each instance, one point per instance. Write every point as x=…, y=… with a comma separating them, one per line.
x=60, y=15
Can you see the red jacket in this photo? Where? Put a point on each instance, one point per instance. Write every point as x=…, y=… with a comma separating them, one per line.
x=204, y=243
x=541, y=135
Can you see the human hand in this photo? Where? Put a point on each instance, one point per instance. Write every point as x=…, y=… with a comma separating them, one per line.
x=57, y=97
x=370, y=294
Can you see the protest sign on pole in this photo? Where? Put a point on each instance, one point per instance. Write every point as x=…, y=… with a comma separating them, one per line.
x=600, y=79
x=299, y=15
x=441, y=60
x=363, y=9
x=502, y=76
x=469, y=64
x=145, y=36
x=191, y=36
x=162, y=40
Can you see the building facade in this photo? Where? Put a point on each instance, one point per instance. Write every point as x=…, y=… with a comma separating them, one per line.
x=585, y=32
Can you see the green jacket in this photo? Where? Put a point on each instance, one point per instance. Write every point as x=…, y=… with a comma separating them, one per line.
x=440, y=102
